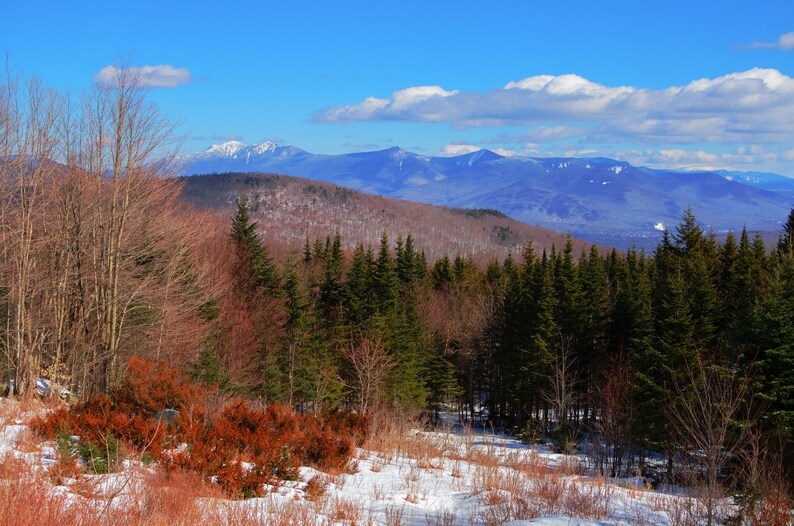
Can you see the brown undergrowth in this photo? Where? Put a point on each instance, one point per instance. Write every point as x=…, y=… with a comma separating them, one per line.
x=157, y=414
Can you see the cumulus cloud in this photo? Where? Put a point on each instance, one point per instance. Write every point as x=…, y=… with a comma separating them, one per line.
x=451, y=150
x=455, y=149
x=750, y=105
x=160, y=76
x=785, y=42
x=402, y=101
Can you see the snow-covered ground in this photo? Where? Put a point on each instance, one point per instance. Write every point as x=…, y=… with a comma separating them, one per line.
x=442, y=479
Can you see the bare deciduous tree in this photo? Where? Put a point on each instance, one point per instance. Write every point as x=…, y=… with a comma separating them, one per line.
x=370, y=364
x=711, y=415
x=561, y=394
x=28, y=146
x=98, y=260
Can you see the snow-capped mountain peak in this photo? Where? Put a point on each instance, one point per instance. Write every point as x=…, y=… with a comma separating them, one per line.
x=226, y=149
x=265, y=147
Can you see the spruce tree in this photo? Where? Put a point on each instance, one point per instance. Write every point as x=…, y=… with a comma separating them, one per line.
x=255, y=266
x=441, y=276
x=360, y=293
x=786, y=242
x=332, y=289
x=775, y=331
x=385, y=280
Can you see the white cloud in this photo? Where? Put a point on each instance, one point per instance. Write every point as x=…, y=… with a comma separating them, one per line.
x=160, y=76
x=753, y=105
x=455, y=149
x=451, y=150
x=505, y=152
x=785, y=42
x=538, y=134
x=401, y=101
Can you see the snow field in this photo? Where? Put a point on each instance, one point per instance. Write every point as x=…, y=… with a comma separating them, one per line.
x=405, y=478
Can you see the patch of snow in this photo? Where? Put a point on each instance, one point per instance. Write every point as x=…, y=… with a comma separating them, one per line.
x=387, y=484
x=417, y=181
x=617, y=169
x=660, y=227
x=264, y=147
x=227, y=149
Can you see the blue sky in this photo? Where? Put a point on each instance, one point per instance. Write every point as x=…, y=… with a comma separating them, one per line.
x=670, y=84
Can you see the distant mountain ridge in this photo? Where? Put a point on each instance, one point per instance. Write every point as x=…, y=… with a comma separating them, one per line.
x=601, y=200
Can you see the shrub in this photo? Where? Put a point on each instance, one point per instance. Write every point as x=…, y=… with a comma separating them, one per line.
x=357, y=426
x=237, y=445
x=103, y=456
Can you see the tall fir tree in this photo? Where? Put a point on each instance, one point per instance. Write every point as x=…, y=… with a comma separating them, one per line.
x=255, y=266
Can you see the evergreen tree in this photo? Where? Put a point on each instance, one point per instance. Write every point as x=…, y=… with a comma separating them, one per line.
x=385, y=279
x=776, y=335
x=406, y=261
x=441, y=275
x=360, y=288
x=420, y=268
x=332, y=289
x=786, y=242
x=305, y=353
x=255, y=267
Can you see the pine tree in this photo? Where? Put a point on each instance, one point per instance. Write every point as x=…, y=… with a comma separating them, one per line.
x=420, y=268
x=385, y=279
x=305, y=351
x=689, y=236
x=331, y=288
x=775, y=332
x=360, y=297
x=255, y=266
x=595, y=302
x=441, y=276
x=786, y=242
x=406, y=261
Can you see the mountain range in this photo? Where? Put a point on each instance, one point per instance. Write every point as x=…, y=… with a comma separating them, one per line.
x=600, y=200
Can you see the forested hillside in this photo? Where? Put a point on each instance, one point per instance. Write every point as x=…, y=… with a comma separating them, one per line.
x=291, y=209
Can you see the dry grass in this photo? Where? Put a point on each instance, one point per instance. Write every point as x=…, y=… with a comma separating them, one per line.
x=339, y=509
x=445, y=518
x=394, y=516
x=27, y=499
x=288, y=513
x=316, y=487
x=516, y=486
x=170, y=498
